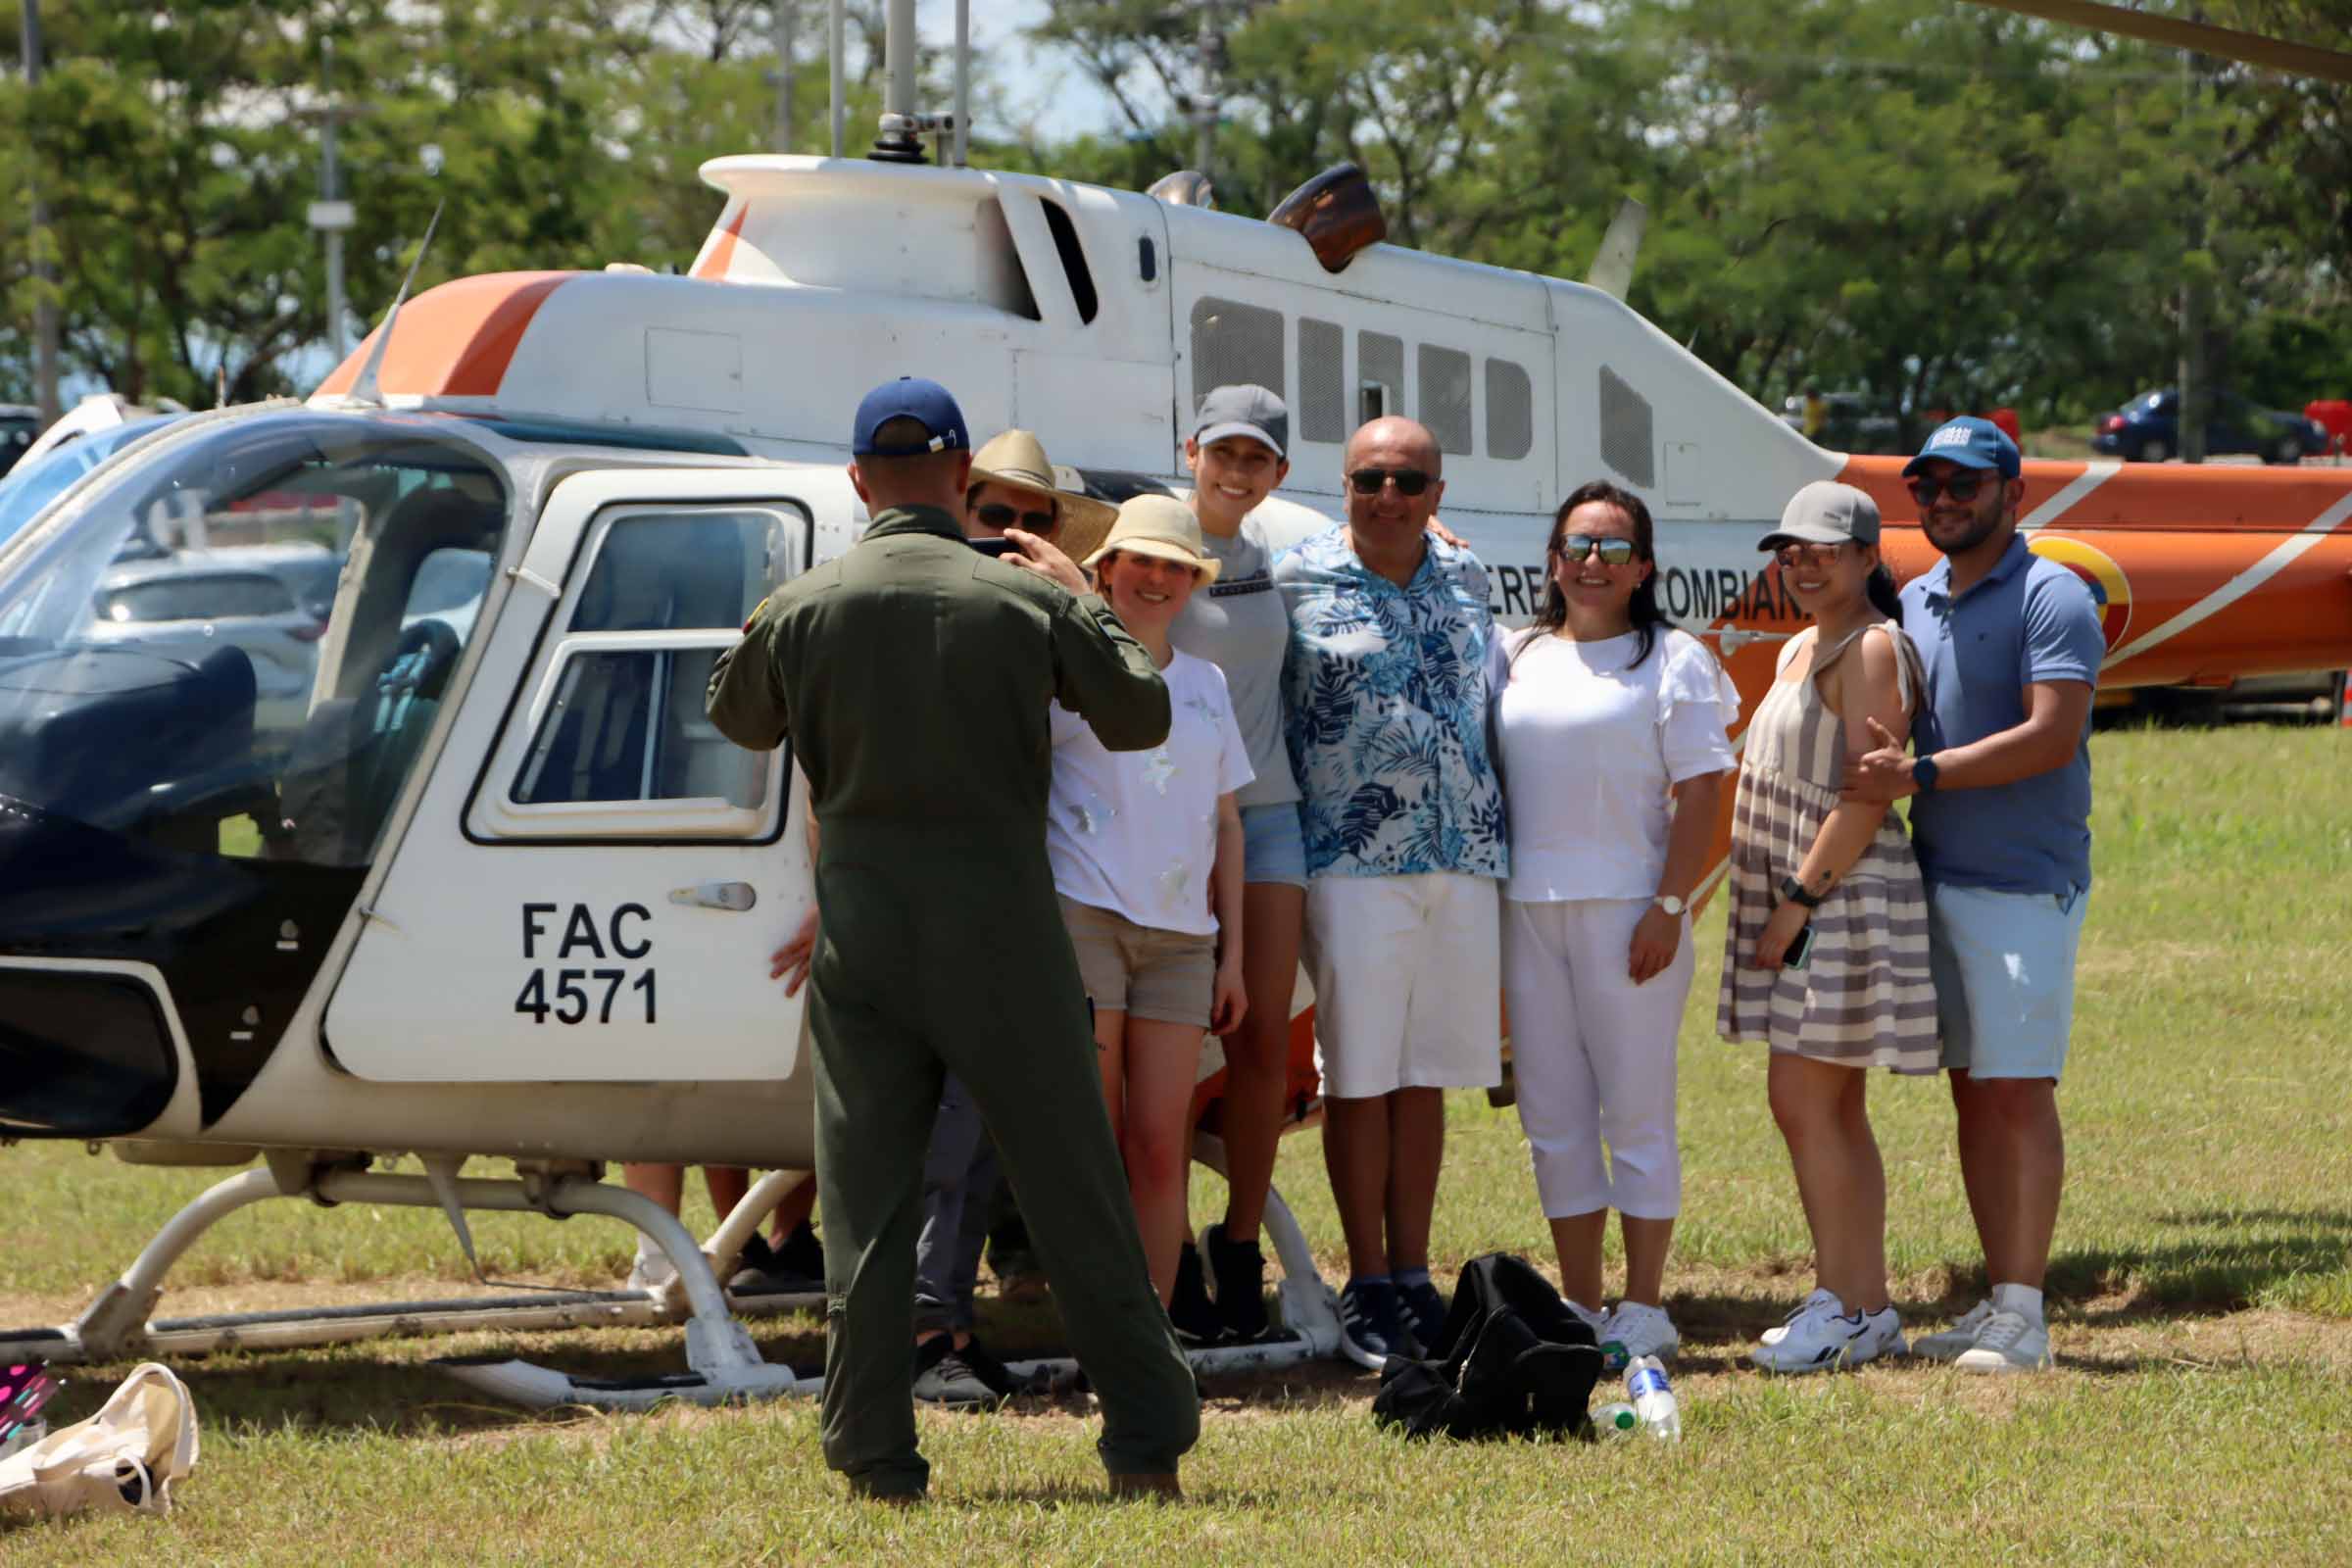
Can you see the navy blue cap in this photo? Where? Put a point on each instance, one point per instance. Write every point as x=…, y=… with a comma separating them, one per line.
x=909, y=397
x=1970, y=442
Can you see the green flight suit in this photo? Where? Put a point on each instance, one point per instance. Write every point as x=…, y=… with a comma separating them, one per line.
x=913, y=676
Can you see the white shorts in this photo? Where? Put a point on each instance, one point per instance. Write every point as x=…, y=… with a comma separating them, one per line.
x=1408, y=980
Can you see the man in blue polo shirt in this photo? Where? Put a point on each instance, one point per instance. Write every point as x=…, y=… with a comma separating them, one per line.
x=2002, y=817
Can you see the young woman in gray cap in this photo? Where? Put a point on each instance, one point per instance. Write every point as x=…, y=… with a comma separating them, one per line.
x=1826, y=950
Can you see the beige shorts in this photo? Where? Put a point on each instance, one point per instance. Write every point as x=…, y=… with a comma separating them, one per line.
x=1138, y=970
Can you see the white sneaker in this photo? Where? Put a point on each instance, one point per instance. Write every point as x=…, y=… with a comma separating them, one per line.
x=1591, y=1319
x=653, y=1270
x=1949, y=1344
x=1641, y=1330
x=2009, y=1341
x=1819, y=1298
x=1820, y=1341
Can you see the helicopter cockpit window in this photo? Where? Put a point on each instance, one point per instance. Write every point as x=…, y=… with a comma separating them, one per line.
x=204, y=650
x=619, y=742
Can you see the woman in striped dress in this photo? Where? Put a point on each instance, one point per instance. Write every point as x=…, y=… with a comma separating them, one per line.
x=1826, y=950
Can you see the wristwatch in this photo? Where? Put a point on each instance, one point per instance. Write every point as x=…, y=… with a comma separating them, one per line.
x=1670, y=902
x=1923, y=772
x=1795, y=891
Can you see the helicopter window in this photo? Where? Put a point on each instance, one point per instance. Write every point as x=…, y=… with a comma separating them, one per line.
x=1322, y=380
x=1379, y=375
x=1624, y=430
x=209, y=654
x=1511, y=410
x=1233, y=344
x=1444, y=381
x=1073, y=259
x=1004, y=281
x=619, y=720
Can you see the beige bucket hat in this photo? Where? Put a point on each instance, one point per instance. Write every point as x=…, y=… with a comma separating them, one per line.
x=1162, y=526
x=1017, y=458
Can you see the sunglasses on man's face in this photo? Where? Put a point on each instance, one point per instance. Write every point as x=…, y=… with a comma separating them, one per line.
x=1575, y=548
x=1001, y=516
x=1370, y=481
x=1961, y=487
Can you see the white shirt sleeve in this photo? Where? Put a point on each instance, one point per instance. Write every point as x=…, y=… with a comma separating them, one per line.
x=1062, y=725
x=1698, y=705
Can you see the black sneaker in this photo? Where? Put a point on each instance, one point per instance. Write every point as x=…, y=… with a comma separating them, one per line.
x=996, y=1374
x=1195, y=1319
x=1238, y=1270
x=803, y=1256
x=943, y=1377
x=765, y=1271
x=1424, y=1312
x=1372, y=1317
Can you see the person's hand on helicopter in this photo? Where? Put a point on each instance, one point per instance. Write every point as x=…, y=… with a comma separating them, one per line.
x=790, y=962
x=1881, y=776
x=1046, y=559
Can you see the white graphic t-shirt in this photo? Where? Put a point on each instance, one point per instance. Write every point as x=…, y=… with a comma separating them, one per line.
x=1136, y=832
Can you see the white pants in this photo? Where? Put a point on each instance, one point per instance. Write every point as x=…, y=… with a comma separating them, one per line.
x=1405, y=975
x=1594, y=1055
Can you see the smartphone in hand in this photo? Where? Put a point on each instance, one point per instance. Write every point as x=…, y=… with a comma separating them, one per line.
x=1801, y=952
x=999, y=547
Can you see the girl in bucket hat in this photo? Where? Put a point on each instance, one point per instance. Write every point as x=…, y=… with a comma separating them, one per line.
x=1147, y=855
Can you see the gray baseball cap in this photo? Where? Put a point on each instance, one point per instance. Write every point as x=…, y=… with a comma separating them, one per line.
x=1826, y=513
x=1244, y=409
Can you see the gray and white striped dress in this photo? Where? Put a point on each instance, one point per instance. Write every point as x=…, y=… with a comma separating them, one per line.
x=1867, y=999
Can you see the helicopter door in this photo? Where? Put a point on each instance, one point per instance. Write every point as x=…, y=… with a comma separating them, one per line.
x=596, y=876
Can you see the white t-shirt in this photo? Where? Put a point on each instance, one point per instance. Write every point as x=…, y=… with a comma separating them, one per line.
x=1588, y=750
x=1136, y=832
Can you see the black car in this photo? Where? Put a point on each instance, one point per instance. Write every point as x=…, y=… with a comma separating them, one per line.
x=2147, y=429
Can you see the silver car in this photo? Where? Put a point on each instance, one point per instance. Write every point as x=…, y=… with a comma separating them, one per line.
x=269, y=600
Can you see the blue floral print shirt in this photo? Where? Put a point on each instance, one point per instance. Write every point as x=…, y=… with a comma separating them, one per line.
x=1384, y=698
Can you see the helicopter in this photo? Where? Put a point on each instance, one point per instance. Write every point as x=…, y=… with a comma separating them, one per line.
x=497, y=888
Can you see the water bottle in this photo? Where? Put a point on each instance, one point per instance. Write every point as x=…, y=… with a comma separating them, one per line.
x=1653, y=1399
x=1615, y=1420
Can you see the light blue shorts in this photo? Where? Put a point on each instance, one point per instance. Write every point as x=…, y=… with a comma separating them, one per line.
x=1273, y=845
x=2004, y=970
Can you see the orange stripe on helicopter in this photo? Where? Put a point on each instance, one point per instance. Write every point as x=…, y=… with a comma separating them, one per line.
x=455, y=340
x=719, y=252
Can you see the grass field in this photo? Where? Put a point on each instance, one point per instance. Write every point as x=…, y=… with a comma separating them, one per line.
x=2201, y=1309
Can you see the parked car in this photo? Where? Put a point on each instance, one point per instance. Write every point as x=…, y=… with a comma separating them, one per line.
x=1854, y=422
x=269, y=599
x=2147, y=429
x=20, y=423
x=44, y=477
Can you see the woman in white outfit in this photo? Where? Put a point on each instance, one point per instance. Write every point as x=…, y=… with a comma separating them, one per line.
x=1613, y=733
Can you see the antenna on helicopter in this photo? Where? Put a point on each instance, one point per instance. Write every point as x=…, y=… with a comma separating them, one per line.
x=1186, y=188
x=1612, y=269
x=364, y=388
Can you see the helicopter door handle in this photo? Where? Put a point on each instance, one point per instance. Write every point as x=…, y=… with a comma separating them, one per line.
x=735, y=896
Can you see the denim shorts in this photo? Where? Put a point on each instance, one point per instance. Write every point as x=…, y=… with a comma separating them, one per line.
x=2004, y=971
x=1273, y=845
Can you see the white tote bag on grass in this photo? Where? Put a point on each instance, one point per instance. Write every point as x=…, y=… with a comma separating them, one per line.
x=123, y=1459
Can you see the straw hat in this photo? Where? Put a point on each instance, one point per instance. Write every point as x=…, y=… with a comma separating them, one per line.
x=1017, y=459
x=1162, y=526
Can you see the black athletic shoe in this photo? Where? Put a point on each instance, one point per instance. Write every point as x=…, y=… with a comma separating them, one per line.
x=1196, y=1318
x=765, y=1271
x=1424, y=1312
x=1373, y=1319
x=803, y=1256
x=1238, y=1271
x=943, y=1377
x=996, y=1374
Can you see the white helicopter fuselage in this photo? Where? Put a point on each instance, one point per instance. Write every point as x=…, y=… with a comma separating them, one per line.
x=549, y=935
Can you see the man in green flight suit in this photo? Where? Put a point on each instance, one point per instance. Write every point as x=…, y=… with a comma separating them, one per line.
x=913, y=676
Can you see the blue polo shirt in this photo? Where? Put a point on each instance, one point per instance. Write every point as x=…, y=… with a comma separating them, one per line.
x=2027, y=620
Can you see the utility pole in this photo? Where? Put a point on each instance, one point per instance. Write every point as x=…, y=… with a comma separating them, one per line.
x=781, y=13
x=1210, y=44
x=44, y=266
x=330, y=213
x=2195, y=396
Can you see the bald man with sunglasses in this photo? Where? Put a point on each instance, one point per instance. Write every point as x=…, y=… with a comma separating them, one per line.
x=1393, y=654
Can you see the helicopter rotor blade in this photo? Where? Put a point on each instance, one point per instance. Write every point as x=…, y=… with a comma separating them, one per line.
x=2251, y=48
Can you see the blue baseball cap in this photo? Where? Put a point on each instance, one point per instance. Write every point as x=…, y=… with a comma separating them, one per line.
x=1972, y=443
x=909, y=397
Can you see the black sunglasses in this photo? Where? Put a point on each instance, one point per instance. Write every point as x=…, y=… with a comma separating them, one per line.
x=1575, y=547
x=1961, y=487
x=1001, y=516
x=1408, y=481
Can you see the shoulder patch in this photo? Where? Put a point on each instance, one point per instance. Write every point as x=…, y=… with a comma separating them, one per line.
x=750, y=620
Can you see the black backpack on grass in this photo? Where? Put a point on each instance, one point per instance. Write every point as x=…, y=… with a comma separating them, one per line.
x=1511, y=1361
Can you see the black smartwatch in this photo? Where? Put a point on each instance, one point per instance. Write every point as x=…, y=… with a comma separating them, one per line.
x=1795, y=891
x=1923, y=772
